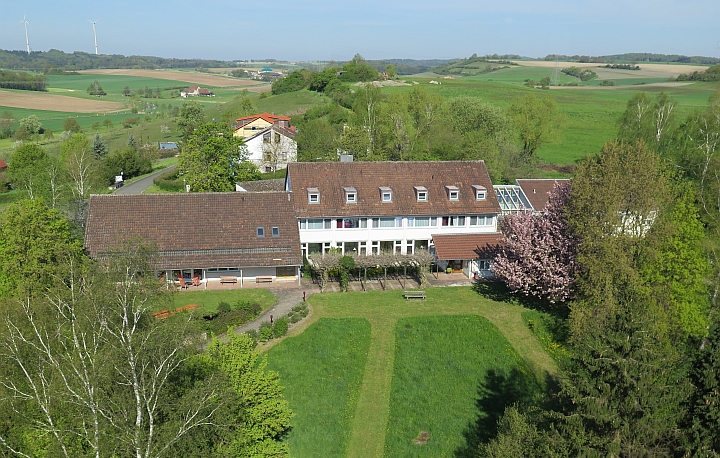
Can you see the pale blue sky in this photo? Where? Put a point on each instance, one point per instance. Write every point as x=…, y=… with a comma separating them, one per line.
x=305, y=30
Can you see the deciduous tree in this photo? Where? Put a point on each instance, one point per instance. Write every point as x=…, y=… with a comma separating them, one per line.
x=536, y=120
x=28, y=170
x=34, y=242
x=190, y=118
x=213, y=160
x=263, y=416
x=537, y=255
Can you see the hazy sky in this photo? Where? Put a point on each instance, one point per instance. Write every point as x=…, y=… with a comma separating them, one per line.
x=305, y=30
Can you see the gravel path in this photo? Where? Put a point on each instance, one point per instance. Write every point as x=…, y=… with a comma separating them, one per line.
x=287, y=298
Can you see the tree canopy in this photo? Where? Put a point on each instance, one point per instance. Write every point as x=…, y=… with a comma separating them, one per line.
x=213, y=160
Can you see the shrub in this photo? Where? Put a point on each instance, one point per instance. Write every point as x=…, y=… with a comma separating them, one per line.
x=248, y=310
x=266, y=331
x=223, y=307
x=170, y=182
x=280, y=327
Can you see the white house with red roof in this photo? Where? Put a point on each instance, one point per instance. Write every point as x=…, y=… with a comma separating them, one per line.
x=270, y=140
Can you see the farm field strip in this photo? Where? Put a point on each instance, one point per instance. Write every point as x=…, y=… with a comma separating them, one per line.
x=188, y=77
x=54, y=102
x=383, y=310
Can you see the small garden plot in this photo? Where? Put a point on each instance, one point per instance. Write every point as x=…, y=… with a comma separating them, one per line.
x=452, y=378
x=322, y=371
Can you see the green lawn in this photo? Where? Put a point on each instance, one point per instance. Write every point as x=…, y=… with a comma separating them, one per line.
x=462, y=318
x=322, y=370
x=208, y=300
x=453, y=377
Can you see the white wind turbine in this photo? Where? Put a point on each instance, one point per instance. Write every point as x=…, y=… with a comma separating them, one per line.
x=27, y=41
x=94, y=34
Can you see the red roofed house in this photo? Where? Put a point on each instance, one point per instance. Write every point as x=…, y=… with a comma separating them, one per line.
x=3, y=164
x=270, y=140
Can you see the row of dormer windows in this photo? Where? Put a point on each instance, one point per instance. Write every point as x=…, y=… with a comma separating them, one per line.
x=386, y=194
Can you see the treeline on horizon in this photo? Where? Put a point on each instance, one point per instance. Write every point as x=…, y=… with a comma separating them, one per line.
x=46, y=61
x=54, y=60
x=23, y=81
x=636, y=57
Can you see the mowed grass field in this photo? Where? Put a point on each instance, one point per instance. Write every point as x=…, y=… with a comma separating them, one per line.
x=447, y=365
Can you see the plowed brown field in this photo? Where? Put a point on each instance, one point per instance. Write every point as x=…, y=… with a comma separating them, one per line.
x=54, y=102
x=188, y=77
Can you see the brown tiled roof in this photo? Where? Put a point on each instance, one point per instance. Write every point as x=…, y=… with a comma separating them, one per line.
x=537, y=190
x=276, y=184
x=271, y=118
x=466, y=246
x=289, y=133
x=402, y=177
x=198, y=229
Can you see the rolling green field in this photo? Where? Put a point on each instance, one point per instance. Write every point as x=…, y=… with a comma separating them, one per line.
x=456, y=351
x=590, y=114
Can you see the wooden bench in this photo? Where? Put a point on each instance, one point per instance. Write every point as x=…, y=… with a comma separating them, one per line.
x=228, y=280
x=414, y=295
x=263, y=279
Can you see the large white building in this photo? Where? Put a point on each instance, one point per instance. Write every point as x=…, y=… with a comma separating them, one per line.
x=368, y=207
x=448, y=208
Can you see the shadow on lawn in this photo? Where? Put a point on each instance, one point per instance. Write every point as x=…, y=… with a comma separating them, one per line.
x=498, y=391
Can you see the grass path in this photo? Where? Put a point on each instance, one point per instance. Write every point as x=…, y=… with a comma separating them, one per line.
x=373, y=408
x=383, y=309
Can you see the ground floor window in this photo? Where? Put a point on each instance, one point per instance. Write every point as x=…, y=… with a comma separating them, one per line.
x=287, y=271
x=484, y=264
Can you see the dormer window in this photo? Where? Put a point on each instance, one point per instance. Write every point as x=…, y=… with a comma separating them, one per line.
x=480, y=192
x=350, y=195
x=453, y=193
x=313, y=195
x=421, y=193
x=385, y=194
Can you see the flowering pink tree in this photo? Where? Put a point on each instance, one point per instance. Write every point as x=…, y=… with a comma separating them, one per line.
x=537, y=256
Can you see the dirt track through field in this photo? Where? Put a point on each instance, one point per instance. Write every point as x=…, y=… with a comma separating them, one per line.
x=53, y=102
x=188, y=77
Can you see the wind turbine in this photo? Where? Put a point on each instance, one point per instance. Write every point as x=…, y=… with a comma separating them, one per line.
x=27, y=41
x=94, y=34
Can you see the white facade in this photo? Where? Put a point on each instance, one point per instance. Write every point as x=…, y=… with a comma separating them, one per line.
x=401, y=234
x=271, y=150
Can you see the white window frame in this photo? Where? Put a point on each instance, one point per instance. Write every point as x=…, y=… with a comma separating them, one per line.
x=260, y=231
x=385, y=195
x=421, y=193
x=313, y=195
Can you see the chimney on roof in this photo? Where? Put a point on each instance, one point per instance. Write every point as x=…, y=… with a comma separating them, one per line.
x=533, y=190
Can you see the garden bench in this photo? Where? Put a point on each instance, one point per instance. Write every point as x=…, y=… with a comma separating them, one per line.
x=263, y=279
x=228, y=280
x=414, y=295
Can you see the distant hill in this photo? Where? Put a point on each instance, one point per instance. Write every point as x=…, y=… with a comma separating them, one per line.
x=48, y=61
x=475, y=65
x=410, y=66
x=636, y=57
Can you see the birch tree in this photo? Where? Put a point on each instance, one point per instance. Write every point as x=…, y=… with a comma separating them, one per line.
x=89, y=369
